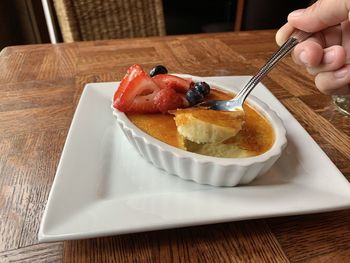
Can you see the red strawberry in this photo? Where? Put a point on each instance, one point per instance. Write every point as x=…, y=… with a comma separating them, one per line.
x=133, y=72
x=167, y=99
x=136, y=92
x=181, y=85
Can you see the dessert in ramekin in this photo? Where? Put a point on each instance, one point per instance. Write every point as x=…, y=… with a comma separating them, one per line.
x=175, y=155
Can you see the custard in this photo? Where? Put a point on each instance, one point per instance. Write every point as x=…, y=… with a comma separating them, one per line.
x=205, y=126
x=255, y=137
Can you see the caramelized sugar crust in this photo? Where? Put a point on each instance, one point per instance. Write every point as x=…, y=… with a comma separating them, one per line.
x=219, y=118
x=256, y=136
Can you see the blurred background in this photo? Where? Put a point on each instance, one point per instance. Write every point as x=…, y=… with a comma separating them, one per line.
x=46, y=21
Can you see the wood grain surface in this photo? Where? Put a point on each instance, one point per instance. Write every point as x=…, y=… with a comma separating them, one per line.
x=40, y=86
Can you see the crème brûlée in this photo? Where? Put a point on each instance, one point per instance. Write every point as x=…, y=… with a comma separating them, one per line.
x=208, y=132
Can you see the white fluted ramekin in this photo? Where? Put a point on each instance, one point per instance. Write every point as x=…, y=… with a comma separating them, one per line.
x=206, y=169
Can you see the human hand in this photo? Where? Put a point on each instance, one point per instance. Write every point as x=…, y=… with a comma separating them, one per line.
x=327, y=53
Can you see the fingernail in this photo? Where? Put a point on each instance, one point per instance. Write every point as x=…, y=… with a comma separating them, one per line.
x=328, y=57
x=296, y=13
x=303, y=57
x=341, y=73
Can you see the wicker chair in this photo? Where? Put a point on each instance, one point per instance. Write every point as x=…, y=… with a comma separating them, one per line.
x=81, y=20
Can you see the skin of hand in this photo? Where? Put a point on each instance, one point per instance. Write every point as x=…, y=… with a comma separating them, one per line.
x=327, y=53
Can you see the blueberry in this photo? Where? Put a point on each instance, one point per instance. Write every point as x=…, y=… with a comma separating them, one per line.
x=202, y=87
x=159, y=69
x=194, y=97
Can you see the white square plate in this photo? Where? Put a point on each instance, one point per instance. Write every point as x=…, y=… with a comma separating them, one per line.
x=103, y=187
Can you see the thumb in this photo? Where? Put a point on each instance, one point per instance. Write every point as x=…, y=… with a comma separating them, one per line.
x=320, y=15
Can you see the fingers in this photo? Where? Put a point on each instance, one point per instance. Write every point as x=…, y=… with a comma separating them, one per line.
x=308, y=53
x=334, y=82
x=328, y=37
x=321, y=15
x=283, y=33
x=319, y=60
x=332, y=77
x=322, y=51
x=323, y=55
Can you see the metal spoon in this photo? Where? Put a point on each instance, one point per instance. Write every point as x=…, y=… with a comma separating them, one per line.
x=236, y=104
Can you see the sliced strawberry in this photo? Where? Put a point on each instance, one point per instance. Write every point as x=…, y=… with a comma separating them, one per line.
x=137, y=91
x=167, y=99
x=181, y=85
x=134, y=71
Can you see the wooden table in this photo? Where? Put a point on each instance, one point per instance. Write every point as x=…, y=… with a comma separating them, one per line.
x=40, y=86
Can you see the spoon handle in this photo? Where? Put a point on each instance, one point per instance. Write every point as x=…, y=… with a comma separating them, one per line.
x=296, y=37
